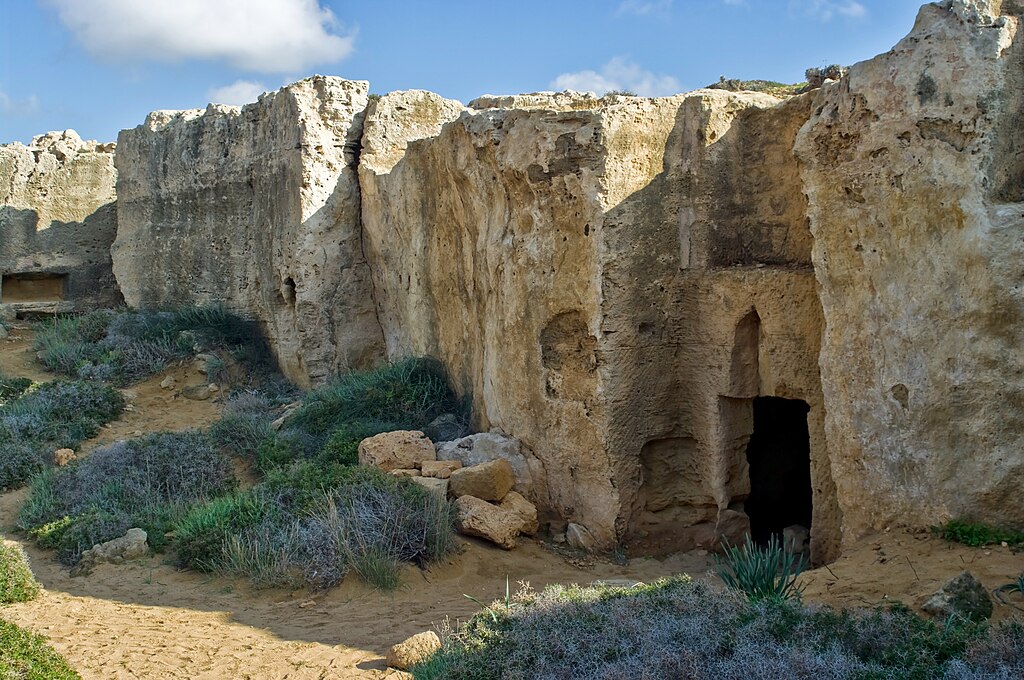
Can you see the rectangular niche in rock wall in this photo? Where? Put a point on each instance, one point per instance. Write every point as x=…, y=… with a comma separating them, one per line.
x=33, y=287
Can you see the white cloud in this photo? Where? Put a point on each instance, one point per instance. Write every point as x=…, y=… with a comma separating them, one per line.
x=18, y=107
x=618, y=74
x=237, y=93
x=273, y=36
x=827, y=9
x=643, y=7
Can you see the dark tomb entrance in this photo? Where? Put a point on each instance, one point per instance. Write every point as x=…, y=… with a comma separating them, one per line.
x=779, y=456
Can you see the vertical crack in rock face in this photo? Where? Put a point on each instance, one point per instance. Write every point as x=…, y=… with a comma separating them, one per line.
x=256, y=208
x=913, y=169
x=57, y=222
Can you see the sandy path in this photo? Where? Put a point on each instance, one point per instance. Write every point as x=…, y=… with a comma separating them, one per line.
x=149, y=620
x=910, y=567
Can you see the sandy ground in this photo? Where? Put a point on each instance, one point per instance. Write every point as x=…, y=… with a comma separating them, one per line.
x=149, y=620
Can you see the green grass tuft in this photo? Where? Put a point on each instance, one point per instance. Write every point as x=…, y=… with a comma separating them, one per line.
x=761, y=573
x=978, y=535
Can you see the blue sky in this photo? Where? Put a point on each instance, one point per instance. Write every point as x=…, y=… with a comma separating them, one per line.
x=101, y=65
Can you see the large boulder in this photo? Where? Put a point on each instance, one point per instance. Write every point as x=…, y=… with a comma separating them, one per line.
x=413, y=650
x=962, y=596
x=489, y=481
x=398, y=450
x=524, y=509
x=476, y=517
x=257, y=208
x=485, y=447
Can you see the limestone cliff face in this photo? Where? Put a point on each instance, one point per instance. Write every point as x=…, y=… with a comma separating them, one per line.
x=622, y=283
x=583, y=269
x=914, y=171
x=257, y=208
x=57, y=221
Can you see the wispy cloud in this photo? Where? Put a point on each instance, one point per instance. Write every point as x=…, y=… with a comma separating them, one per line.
x=643, y=7
x=237, y=93
x=18, y=107
x=618, y=74
x=826, y=10
x=272, y=36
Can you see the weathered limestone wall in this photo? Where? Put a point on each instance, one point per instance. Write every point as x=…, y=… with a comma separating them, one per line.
x=583, y=272
x=257, y=208
x=709, y=301
x=914, y=171
x=615, y=281
x=57, y=221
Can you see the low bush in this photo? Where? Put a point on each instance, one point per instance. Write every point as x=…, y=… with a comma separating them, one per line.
x=12, y=388
x=125, y=346
x=49, y=416
x=245, y=424
x=25, y=656
x=149, y=482
x=978, y=535
x=680, y=628
x=17, y=584
x=311, y=525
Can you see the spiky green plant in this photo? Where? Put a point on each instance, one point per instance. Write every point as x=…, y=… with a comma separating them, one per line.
x=766, y=573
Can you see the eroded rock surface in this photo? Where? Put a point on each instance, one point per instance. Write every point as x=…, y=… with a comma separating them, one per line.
x=57, y=222
x=257, y=208
x=914, y=169
x=613, y=282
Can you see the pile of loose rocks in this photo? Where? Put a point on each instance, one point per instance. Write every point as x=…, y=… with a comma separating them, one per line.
x=487, y=503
